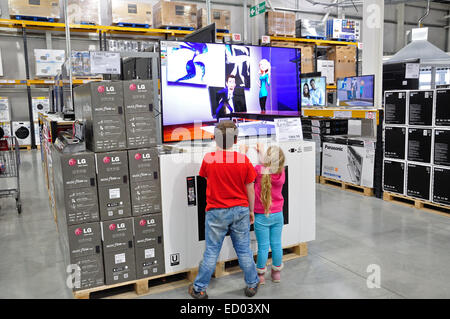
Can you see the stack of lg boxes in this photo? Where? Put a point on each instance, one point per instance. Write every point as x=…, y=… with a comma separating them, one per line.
x=315, y=129
x=118, y=218
x=417, y=144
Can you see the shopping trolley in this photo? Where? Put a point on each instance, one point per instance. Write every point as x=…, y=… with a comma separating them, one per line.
x=9, y=169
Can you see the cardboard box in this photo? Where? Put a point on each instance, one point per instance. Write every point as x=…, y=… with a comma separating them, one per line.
x=419, y=145
x=48, y=62
x=351, y=161
x=395, y=107
x=149, y=247
x=280, y=23
x=222, y=18
x=100, y=106
x=5, y=114
x=144, y=165
x=441, y=147
x=35, y=8
x=344, y=58
x=344, y=29
x=118, y=247
x=78, y=170
x=420, y=109
x=112, y=168
x=310, y=28
x=441, y=191
x=141, y=130
x=145, y=197
x=442, y=112
x=172, y=13
x=395, y=142
x=418, y=180
x=394, y=176
x=84, y=11
x=124, y=11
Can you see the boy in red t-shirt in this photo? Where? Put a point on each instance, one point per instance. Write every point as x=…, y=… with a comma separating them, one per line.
x=229, y=193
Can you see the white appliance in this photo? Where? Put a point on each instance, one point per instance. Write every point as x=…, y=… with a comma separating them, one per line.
x=37, y=137
x=5, y=115
x=183, y=223
x=5, y=129
x=41, y=104
x=22, y=132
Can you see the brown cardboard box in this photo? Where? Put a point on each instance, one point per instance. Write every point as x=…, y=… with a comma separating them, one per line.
x=124, y=11
x=220, y=17
x=84, y=11
x=35, y=8
x=177, y=14
x=280, y=23
x=344, y=58
x=307, y=53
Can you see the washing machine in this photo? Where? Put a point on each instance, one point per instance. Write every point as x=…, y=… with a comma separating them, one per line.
x=22, y=132
x=4, y=110
x=40, y=104
x=5, y=129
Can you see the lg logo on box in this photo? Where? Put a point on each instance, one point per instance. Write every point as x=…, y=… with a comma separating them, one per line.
x=85, y=231
x=133, y=87
x=108, y=159
x=144, y=222
x=113, y=227
x=102, y=89
x=73, y=162
x=138, y=156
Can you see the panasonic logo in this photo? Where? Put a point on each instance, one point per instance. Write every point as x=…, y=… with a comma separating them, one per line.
x=334, y=148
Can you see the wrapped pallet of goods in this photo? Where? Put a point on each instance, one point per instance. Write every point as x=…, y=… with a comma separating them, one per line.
x=175, y=14
x=84, y=12
x=46, y=9
x=220, y=17
x=280, y=23
x=131, y=13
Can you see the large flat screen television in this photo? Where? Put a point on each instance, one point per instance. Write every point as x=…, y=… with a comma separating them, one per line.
x=313, y=91
x=204, y=82
x=356, y=91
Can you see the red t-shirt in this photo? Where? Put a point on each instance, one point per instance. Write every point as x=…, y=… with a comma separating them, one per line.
x=227, y=174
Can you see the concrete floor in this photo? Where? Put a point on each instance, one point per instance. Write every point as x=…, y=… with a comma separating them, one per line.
x=410, y=246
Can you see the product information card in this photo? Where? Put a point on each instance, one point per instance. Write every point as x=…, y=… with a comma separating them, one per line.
x=288, y=129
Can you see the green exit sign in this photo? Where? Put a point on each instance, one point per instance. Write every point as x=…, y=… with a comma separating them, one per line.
x=258, y=9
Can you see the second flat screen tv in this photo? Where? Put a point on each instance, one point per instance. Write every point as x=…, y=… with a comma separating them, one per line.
x=203, y=82
x=313, y=91
x=356, y=91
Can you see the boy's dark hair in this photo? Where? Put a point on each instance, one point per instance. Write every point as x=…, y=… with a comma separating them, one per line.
x=230, y=76
x=225, y=134
x=312, y=80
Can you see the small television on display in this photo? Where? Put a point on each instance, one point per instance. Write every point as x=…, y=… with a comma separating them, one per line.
x=202, y=83
x=313, y=91
x=356, y=91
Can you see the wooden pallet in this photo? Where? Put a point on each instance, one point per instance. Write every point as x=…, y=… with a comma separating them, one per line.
x=166, y=282
x=347, y=186
x=25, y=147
x=140, y=287
x=282, y=35
x=317, y=179
x=225, y=268
x=424, y=205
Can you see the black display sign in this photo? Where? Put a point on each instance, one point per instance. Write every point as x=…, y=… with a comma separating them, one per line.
x=395, y=107
x=421, y=108
x=441, y=191
x=442, y=147
x=418, y=181
x=395, y=139
x=419, y=145
x=442, y=108
x=394, y=176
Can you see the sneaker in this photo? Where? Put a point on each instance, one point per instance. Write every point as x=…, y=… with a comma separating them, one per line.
x=250, y=292
x=197, y=295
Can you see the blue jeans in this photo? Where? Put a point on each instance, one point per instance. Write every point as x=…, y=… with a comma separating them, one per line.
x=268, y=233
x=218, y=222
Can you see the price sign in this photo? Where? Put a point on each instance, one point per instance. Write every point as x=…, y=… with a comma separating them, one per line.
x=265, y=39
x=237, y=37
x=105, y=62
x=288, y=129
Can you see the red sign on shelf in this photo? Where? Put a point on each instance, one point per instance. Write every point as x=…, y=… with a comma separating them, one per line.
x=237, y=37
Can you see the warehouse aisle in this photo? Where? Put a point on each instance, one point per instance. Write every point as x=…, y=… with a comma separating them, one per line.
x=411, y=247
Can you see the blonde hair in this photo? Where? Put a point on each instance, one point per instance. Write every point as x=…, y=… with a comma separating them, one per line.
x=273, y=162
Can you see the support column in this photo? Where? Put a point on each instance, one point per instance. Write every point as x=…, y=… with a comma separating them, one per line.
x=400, y=17
x=245, y=31
x=372, y=57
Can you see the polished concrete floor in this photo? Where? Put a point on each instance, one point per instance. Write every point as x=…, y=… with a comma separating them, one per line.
x=354, y=234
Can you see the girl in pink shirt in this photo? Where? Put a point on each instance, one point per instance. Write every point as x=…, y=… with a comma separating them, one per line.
x=269, y=210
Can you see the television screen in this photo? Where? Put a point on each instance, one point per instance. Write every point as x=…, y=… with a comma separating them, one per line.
x=356, y=91
x=203, y=82
x=313, y=91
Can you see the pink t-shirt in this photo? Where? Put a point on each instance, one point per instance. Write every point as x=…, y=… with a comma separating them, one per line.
x=277, y=186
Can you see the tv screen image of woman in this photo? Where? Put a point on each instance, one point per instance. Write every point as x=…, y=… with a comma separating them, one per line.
x=264, y=82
